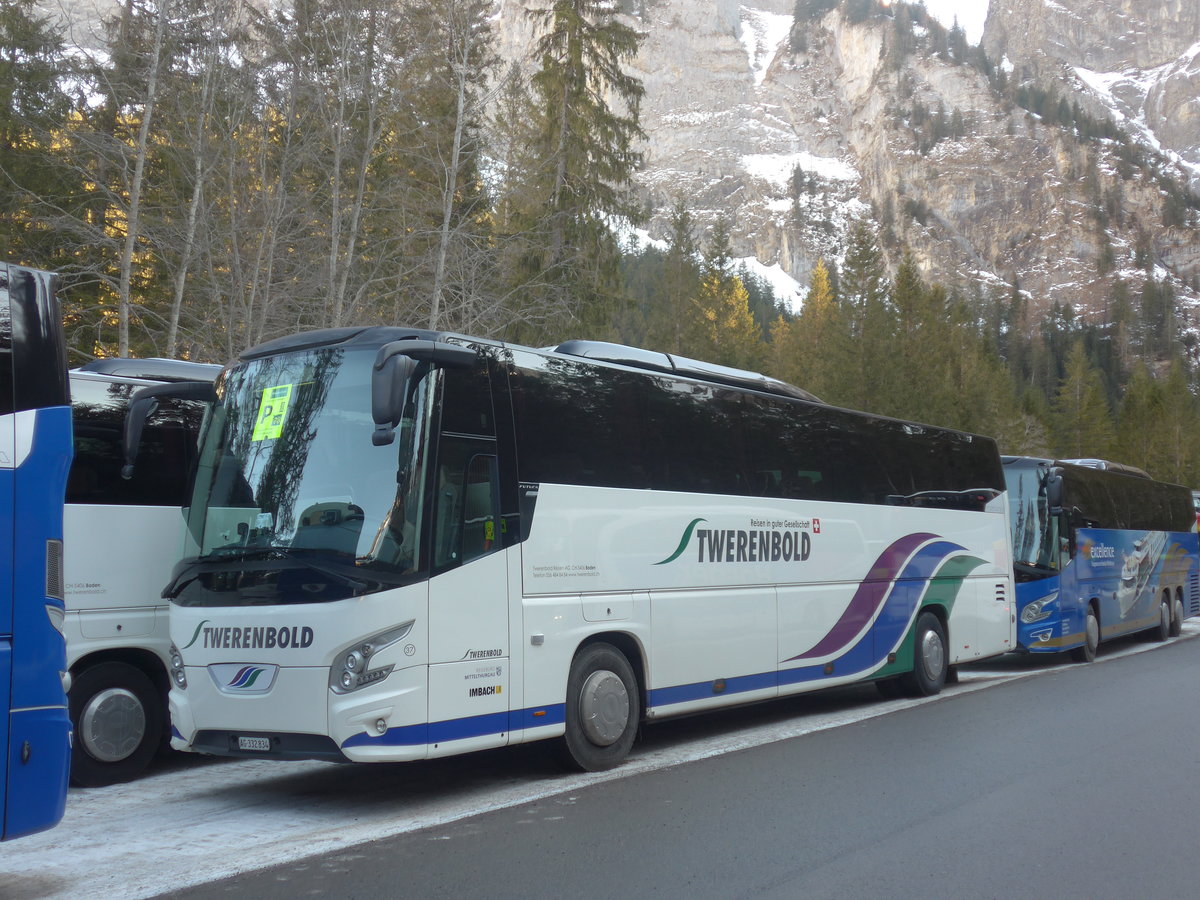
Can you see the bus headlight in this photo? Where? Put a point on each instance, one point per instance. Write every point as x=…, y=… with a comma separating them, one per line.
x=1036, y=610
x=353, y=669
x=178, y=675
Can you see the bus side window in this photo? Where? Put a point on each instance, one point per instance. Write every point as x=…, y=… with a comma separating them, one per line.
x=468, y=501
x=480, y=504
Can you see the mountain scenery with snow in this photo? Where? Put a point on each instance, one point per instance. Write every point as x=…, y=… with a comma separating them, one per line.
x=1003, y=195
x=733, y=107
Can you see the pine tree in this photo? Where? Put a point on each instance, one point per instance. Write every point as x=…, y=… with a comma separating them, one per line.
x=813, y=351
x=1083, y=424
x=870, y=319
x=33, y=181
x=670, y=318
x=1177, y=432
x=915, y=349
x=1138, y=421
x=588, y=106
x=727, y=333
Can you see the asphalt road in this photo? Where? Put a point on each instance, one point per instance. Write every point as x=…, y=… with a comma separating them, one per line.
x=1076, y=783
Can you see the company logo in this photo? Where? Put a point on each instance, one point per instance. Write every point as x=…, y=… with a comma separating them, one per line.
x=764, y=541
x=482, y=654
x=195, y=634
x=1102, y=551
x=253, y=637
x=487, y=691
x=243, y=678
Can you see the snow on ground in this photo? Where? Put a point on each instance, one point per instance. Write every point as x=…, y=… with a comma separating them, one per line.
x=762, y=33
x=202, y=820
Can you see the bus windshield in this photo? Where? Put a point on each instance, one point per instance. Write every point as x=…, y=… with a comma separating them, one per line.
x=293, y=503
x=1034, y=529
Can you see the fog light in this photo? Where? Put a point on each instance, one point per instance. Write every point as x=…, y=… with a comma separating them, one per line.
x=178, y=674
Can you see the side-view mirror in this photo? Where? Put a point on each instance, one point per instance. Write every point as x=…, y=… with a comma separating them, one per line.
x=389, y=380
x=144, y=403
x=1054, y=494
x=394, y=366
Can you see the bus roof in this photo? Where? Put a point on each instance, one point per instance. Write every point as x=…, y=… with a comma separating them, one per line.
x=152, y=369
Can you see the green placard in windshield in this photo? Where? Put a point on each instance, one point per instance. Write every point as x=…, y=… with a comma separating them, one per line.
x=271, y=413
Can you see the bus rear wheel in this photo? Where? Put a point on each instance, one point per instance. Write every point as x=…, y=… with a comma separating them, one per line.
x=118, y=719
x=930, y=661
x=1177, y=615
x=602, y=708
x=1091, y=638
x=1162, y=630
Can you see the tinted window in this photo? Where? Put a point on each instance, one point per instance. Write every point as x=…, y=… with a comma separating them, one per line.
x=580, y=423
x=467, y=401
x=164, y=458
x=1104, y=499
x=575, y=428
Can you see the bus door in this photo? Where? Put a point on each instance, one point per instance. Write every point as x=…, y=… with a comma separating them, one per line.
x=469, y=654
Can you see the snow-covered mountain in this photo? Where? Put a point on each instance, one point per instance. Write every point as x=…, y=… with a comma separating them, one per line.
x=1138, y=62
x=733, y=107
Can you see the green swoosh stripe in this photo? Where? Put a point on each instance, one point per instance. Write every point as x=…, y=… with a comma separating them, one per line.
x=687, y=536
x=195, y=635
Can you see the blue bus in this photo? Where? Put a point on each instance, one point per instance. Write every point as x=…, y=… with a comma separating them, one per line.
x=35, y=454
x=1100, y=550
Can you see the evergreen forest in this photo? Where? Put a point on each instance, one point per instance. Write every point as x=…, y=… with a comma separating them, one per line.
x=223, y=173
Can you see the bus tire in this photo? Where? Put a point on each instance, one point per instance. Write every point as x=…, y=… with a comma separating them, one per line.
x=118, y=717
x=1091, y=638
x=1177, y=614
x=1162, y=630
x=928, y=674
x=602, y=708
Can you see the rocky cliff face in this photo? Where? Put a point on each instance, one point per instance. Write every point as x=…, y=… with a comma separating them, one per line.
x=1139, y=58
x=730, y=112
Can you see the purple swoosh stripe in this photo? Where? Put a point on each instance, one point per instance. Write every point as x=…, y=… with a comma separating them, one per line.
x=868, y=597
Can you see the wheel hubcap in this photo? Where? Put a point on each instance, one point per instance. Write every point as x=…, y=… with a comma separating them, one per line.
x=603, y=708
x=1093, y=633
x=112, y=725
x=1164, y=618
x=933, y=654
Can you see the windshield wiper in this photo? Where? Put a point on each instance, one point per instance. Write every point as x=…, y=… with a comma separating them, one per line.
x=252, y=559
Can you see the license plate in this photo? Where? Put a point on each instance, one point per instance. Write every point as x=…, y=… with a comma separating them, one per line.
x=254, y=743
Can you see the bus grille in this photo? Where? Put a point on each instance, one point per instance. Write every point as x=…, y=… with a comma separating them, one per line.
x=1194, y=594
x=54, y=570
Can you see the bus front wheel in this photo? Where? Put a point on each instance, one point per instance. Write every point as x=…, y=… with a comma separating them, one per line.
x=602, y=708
x=1091, y=638
x=118, y=718
x=929, y=669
